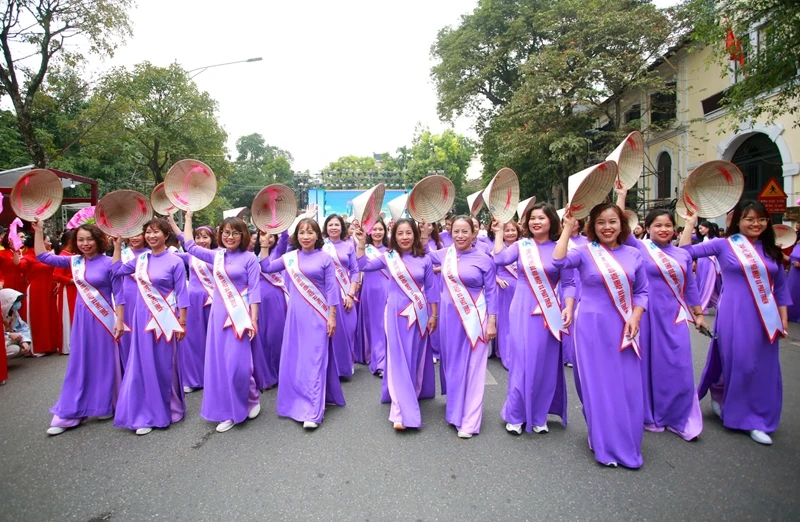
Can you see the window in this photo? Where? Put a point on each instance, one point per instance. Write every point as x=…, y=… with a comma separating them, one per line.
x=635, y=113
x=664, y=174
x=664, y=105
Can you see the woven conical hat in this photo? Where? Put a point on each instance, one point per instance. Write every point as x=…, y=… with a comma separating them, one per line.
x=502, y=195
x=560, y=212
x=397, y=206
x=785, y=237
x=190, y=185
x=431, y=199
x=629, y=157
x=632, y=218
x=160, y=202
x=274, y=208
x=475, y=202
x=123, y=213
x=593, y=186
x=37, y=194
x=367, y=206
x=524, y=206
x=680, y=208
x=713, y=188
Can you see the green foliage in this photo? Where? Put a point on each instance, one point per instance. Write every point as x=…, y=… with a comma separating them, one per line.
x=257, y=165
x=12, y=147
x=353, y=164
x=769, y=31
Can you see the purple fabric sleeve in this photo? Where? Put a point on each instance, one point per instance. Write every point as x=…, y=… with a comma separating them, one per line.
x=507, y=255
x=54, y=260
x=203, y=254
x=429, y=283
x=253, y=278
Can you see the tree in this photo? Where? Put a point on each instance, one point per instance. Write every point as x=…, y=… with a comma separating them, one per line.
x=764, y=66
x=13, y=153
x=35, y=35
x=353, y=164
x=257, y=165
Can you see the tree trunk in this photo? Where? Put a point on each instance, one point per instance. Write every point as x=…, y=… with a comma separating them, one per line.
x=155, y=167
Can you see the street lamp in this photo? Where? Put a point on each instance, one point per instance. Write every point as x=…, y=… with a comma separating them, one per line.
x=204, y=68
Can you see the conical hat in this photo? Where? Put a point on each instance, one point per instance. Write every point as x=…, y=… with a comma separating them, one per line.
x=629, y=157
x=237, y=212
x=713, y=188
x=123, y=213
x=785, y=237
x=397, y=206
x=502, y=195
x=475, y=202
x=680, y=208
x=84, y=216
x=560, y=212
x=190, y=185
x=431, y=199
x=593, y=186
x=274, y=208
x=367, y=206
x=37, y=194
x=525, y=206
x=160, y=202
x=632, y=218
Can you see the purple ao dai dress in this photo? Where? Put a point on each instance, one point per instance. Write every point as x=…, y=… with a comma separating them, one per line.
x=192, y=349
x=93, y=371
x=375, y=285
x=743, y=370
x=611, y=380
x=229, y=387
x=130, y=292
x=568, y=341
x=344, y=337
x=308, y=377
x=536, y=383
x=271, y=321
x=465, y=366
x=151, y=395
x=507, y=273
x=794, y=285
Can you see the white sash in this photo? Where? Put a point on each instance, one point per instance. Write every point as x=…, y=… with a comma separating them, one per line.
x=92, y=298
x=471, y=312
x=127, y=255
x=374, y=253
x=238, y=311
x=163, y=321
x=672, y=273
x=204, y=276
x=342, y=275
x=619, y=288
x=757, y=275
x=513, y=269
x=304, y=285
x=277, y=281
x=417, y=309
x=540, y=285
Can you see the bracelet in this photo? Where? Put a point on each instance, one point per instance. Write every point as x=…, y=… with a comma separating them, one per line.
x=434, y=316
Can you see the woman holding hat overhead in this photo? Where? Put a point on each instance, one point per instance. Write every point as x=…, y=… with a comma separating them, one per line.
x=568, y=341
x=468, y=311
x=136, y=245
x=536, y=323
x=308, y=377
x=345, y=268
x=374, y=291
x=151, y=395
x=230, y=395
x=272, y=313
x=709, y=281
x=506, y=286
x=411, y=312
x=93, y=370
x=613, y=299
x=743, y=370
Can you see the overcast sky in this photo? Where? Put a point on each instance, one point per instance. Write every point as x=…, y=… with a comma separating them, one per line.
x=337, y=77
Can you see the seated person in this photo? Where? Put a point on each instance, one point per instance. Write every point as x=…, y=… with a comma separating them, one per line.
x=17, y=332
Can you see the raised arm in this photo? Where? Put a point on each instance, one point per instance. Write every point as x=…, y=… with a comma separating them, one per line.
x=269, y=266
x=706, y=248
x=507, y=256
x=686, y=235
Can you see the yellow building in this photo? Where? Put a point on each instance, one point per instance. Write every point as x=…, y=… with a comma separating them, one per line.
x=685, y=128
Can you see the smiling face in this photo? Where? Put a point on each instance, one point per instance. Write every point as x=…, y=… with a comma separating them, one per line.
x=510, y=233
x=753, y=224
x=539, y=224
x=404, y=236
x=306, y=236
x=86, y=243
x=231, y=239
x=703, y=230
x=463, y=234
x=136, y=242
x=661, y=230
x=334, y=229
x=378, y=233
x=476, y=227
x=607, y=227
x=202, y=238
x=155, y=237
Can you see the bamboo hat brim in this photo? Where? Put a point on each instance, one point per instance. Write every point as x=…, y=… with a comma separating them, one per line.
x=190, y=185
x=629, y=157
x=502, y=195
x=595, y=184
x=160, y=202
x=37, y=194
x=475, y=202
x=713, y=188
x=274, y=208
x=123, y=213
x=431, y=199
x=397, y=206
x=367, y=206
x=524, y=206
x=785, y=237
x=632, y=218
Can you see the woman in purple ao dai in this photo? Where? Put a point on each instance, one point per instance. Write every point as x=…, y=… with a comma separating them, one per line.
x=411, y=314
x=536, y=322
x=229, y=395
x=743, y=369
x=793, y=280
x=613, y=299
x=308, y=377
x=468, y=321
x=93, y=371
x=507, y=276
x=375, y=284
x=136, y=245
x=345, y=268
x=568, y=341
x=151, y=395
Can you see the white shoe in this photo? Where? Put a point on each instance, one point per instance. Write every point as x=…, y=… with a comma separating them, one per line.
x=379, y=373
x=188, y=389
x=222, y=427
x=309, y=425
x=540, y=429
x=761, y=437
x=464, y=435
x=399, y=426
x=568, y=365
x=55, y=430
x=105, y=417
x=253, y=413
x=143, y=431
x=514, y=428
x=716, y=408
x=611, y=464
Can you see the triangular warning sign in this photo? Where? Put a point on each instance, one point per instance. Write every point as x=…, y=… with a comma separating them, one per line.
x=772, y=190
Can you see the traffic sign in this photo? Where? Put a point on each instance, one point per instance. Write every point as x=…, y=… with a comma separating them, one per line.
x=773, y=197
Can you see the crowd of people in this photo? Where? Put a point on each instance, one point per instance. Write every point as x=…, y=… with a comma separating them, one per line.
x=234, y=312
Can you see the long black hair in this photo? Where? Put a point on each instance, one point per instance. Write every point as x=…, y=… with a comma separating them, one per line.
x=767, y=237
x=713, y=230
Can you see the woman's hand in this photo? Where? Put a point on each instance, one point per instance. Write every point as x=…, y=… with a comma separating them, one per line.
x=348, y=303
x=566, y=317
x=785, y=331
x=37, y=226
x=497, y=227
x=631, y=328
x=119, y=328
x=501, y=283
x=700, y=322
x=331, y=325
x=491, y=328
x=180, y=335
x=311, y=211
x=432, y=322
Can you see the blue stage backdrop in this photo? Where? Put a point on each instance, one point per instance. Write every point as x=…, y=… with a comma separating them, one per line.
x=341, y=201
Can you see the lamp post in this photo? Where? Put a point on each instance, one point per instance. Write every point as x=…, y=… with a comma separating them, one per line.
x=206, y=67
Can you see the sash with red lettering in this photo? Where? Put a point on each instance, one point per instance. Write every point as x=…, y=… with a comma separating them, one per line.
x=672, y=273
x=619, y=288
x=531, y=260
x=471, y=312
x=304, y=285
x=417, y=309
x=342, y=275
x=277, y=281
x=163, y=322
x=92, y=298
x=235, y=304
x=758, y=280
x=204, y=276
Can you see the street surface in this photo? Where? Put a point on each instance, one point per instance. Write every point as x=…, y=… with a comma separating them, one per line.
x=356, y=467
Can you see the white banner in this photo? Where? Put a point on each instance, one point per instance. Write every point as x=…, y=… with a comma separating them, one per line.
x=164, y=321
x=304, y=285
x=92, y=298
x=235, y=305
x=471, y=312
x=204, y=276
x=277, y=281
x=374, y=253
x=342, y=275
x=417, y=309
x=672, y=273
x=533, y=268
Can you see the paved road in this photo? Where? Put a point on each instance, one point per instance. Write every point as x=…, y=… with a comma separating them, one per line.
x=356, y=467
